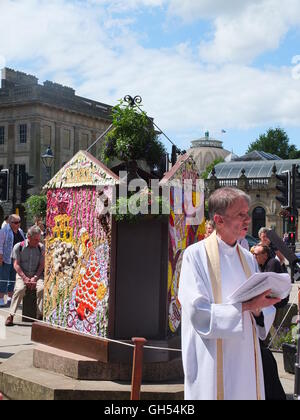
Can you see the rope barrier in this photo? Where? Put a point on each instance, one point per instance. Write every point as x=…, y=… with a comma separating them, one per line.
x=59, y=327
x=161, y=348
x=131, y=345
x=82, y=333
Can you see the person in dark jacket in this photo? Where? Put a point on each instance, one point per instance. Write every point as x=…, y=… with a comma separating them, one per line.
x=273, y=388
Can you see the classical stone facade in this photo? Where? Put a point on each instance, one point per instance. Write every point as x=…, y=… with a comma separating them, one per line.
x=258, y=179
x=33, y=117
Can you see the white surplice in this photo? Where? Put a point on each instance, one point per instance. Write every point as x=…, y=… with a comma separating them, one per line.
x=203, y=322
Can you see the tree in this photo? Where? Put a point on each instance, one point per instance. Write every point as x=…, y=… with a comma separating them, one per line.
x=36, y=206
x=210, y=167
x=132, y=138
x=276, y=142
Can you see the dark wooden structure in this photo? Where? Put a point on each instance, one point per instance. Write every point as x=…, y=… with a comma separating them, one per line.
x=138, y=299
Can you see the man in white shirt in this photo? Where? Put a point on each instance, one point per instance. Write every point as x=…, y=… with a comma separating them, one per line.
x=220, y=347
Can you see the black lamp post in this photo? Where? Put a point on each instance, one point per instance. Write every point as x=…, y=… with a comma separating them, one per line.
x=48, y=159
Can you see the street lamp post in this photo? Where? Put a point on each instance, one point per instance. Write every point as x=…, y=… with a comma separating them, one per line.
x=48, y=159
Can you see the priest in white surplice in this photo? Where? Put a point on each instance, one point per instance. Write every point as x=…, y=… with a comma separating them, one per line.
x=220, y=348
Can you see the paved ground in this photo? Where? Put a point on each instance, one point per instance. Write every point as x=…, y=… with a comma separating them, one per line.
x=17, y=338
x=14, y=339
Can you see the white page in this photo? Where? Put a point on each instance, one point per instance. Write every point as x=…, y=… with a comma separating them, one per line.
x=258, y=283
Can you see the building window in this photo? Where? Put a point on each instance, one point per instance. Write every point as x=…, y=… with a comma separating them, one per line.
x=47, y=135
x=66, y=139
x=23, y=133
x=2, y=135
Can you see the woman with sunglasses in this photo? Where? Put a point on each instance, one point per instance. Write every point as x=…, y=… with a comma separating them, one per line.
x=10, y=235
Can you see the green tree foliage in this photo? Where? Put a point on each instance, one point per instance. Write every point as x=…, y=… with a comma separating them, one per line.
x=276, y=142
x=132, y=138
x=36, y=206
x=210, y=167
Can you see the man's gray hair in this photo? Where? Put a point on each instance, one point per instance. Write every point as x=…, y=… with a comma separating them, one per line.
x=14, y=217
x=263, y=230
x=33, y=231
x=223, y=198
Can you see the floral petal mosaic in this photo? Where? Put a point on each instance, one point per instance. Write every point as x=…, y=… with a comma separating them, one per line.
x=78, y=245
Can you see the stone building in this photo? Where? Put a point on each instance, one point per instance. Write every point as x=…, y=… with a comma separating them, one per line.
x=258, y=179
x=35, y=116
x=206, y=150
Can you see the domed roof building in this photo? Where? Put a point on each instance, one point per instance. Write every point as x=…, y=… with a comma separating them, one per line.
x=206, y=150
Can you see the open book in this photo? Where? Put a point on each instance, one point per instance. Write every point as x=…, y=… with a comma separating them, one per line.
x=258, y=283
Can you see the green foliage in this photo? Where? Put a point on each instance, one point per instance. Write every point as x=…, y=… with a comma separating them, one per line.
x=143, y=199
x=132, y=138
x=276, y=142
x=36, y=206
x=210, y=167
x=285, y=335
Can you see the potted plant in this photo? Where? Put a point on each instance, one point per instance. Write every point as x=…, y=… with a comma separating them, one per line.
x=132, y=139
x=289, y=349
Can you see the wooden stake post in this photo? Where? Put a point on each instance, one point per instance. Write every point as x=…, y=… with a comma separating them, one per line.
x=137, y=368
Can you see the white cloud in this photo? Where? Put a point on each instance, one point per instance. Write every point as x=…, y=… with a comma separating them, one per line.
x=208, y=9
x=87, y=46
x=259, y=28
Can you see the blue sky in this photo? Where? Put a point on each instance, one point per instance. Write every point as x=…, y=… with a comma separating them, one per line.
x=198, y=64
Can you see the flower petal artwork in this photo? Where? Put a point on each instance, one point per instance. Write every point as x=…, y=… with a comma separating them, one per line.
x=181, y=233
x=78, y=243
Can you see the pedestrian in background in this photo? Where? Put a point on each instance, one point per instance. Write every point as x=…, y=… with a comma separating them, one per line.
x=286, y=238
x=264, y=240
x=10, y=235
x=29, y=262
x=5, y=222
x=209, y=228
x=274, y=252
x=273, y=387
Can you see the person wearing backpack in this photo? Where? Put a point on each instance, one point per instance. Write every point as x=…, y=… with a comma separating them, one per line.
x=10, y=235
x=29, y=262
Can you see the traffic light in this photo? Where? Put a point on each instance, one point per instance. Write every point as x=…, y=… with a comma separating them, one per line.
x=292, y=238
x=25, y=186
x=296, y=188
x=4, y=185
x=291, y=223
x=284, y=188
